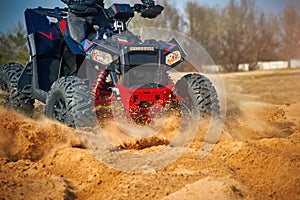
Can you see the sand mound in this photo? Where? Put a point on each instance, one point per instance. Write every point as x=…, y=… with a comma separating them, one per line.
x=22, y=138
x=28, y=180
x=270, y=167
x=211, y=188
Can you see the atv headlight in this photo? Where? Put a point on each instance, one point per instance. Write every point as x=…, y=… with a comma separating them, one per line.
x=173, y=58
x=101, y=57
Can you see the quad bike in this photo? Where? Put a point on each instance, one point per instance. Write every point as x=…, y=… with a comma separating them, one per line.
x=111, y=65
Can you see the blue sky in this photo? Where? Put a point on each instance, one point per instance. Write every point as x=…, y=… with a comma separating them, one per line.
x=11, y=11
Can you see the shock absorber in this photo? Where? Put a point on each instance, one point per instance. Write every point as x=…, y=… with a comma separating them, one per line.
x=99, y=83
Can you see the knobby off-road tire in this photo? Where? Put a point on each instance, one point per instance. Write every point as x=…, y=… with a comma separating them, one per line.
x=69, y=101
x=200, y=92
x=9, y=77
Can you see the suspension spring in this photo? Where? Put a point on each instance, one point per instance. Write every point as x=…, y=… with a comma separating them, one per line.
x=99, y=83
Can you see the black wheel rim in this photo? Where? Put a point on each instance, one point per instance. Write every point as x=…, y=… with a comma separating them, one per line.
x=60, y=110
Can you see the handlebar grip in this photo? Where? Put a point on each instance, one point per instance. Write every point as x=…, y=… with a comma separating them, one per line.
x=137, y=7
x=148, y=3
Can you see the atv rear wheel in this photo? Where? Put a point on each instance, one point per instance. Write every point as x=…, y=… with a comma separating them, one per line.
x=9, y=77
x=200, y=93
x=69, y=101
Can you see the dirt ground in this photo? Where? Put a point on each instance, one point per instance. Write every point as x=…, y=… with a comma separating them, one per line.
x=256, y=157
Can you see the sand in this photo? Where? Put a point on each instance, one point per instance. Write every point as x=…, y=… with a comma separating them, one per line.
x=256, y=157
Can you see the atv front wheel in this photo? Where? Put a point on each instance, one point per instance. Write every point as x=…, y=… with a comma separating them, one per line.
x=13, y=98
x=200, y=93
x=69, y=101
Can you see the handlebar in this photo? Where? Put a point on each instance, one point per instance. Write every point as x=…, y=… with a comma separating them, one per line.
x=57, y=12
x=148, y=9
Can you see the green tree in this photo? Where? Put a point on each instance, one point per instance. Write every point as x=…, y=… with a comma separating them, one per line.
x=13, y=46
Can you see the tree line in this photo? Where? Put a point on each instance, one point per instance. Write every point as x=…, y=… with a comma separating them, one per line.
x=232, y=35
x=237, y=33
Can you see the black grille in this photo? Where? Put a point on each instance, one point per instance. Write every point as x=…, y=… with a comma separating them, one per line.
x=142, y=57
